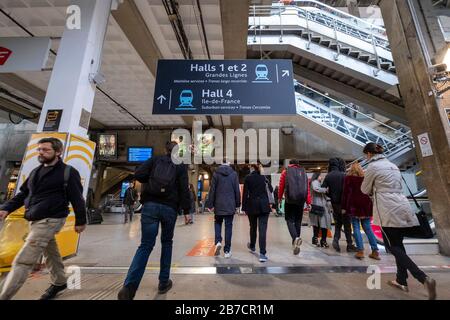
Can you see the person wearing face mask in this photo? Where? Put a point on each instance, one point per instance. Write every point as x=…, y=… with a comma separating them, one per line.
x=392, y=212
x=46, y=195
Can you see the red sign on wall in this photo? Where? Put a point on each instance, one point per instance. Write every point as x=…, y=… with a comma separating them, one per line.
x=5, y=53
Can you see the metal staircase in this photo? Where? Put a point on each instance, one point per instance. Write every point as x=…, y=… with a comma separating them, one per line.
x=330, y=49
x=343, y=33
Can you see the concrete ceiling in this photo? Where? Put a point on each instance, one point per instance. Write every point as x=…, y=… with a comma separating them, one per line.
x=128, y=68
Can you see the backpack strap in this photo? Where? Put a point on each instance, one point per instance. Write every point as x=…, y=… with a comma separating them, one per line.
x=67, y=170
x=30, y=182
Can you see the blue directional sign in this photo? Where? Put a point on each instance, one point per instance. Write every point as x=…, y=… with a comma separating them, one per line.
x=210, y=87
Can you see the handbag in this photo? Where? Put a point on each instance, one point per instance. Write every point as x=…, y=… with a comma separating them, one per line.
x=317, y=210
x=269, y=194
x=423, y=230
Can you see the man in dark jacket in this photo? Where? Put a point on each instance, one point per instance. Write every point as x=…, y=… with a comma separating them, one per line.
x=129, y=201
x=334, y=181
x=225, y=197
x=161, y=199
x=46, y=195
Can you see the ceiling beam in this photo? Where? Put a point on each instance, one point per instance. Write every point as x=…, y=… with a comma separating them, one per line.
x=344, y=91
x=234, y=14
x=133, y=25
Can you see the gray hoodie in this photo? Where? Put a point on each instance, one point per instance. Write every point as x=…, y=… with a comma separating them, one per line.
x=224, y=195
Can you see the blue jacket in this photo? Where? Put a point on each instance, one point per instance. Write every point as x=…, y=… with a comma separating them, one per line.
x=224, y=195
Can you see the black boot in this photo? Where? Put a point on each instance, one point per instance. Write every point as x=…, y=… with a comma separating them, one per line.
x=164, y=287
x=336, y=245
x=126, y=293
x=315, y=241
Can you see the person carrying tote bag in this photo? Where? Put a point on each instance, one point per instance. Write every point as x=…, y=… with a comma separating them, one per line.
x=319, y=216
x=392, y=212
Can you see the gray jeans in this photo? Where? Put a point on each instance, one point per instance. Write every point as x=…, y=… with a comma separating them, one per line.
x=40, y=240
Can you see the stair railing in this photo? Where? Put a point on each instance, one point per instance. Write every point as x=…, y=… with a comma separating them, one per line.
x=336, y=20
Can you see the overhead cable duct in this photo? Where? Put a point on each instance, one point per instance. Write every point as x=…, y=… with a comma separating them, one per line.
x=171, y=7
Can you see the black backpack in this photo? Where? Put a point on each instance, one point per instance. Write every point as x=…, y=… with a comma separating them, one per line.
x=296, y=185
x=162, y=177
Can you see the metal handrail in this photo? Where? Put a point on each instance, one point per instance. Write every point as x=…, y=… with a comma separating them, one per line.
x=397, y=147
x=340, y=13
x=329, y=21
x=397, y=132
x=344, y=125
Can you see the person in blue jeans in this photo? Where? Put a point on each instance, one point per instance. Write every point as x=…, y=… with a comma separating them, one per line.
x=225, y=197
x=359, y=207
x=165, y=191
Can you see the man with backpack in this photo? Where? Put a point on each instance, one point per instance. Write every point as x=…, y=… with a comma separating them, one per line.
x=294, y=187
x=129, y=201
x=165, y=190
x=46, y=195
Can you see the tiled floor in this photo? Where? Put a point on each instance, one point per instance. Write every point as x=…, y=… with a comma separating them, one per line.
x=106, y=251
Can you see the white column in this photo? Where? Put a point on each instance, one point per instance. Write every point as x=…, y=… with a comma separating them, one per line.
x=79, y=57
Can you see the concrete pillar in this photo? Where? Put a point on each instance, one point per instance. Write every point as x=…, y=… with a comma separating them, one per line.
x=71, y=87
x=425, y=112
x=353, y=8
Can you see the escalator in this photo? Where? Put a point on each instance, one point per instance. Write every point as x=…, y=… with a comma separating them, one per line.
x=347, y=120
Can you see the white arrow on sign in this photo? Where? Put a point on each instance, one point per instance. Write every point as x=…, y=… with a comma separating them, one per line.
x=285, y=73
x=161, y=99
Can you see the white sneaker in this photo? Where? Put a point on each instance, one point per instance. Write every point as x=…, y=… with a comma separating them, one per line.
x=227, y=255
x=217, y=251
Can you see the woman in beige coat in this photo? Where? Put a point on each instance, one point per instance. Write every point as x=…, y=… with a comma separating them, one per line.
x=392, y=212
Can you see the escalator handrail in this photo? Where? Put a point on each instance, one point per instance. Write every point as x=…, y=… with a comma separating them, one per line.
x=381, y=138
x=350, y=107
x=362, y=160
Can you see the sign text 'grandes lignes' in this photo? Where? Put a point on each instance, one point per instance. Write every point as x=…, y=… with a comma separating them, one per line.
x=191, y=87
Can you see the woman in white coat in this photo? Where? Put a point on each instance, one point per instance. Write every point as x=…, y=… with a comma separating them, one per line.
x=392, y=212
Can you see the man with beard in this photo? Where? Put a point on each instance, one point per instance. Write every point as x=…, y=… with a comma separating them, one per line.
x=46, y=195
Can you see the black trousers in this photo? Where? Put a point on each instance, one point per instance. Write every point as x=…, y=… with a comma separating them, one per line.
x=293, y=213
x=342, y=220
x=324, y=233
x=129, y=211
x=393, y=240
x=258, y=222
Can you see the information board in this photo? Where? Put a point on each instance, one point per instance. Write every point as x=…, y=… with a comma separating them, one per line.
x=199, y=87
x=139, y=154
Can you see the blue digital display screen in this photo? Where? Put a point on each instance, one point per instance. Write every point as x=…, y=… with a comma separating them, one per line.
x=125, y=186
x=139, y=154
